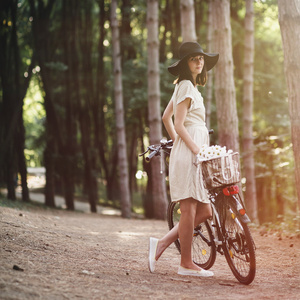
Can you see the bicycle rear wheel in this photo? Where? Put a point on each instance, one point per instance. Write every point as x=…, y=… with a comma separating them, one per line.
x=203, y=247
x=238, y=246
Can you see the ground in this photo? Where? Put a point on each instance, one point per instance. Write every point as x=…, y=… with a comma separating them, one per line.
x=56, y=254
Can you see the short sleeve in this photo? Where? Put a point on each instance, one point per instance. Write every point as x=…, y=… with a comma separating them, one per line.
x=185, y=90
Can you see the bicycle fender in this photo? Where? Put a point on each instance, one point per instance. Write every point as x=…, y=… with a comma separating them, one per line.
x=243, y=217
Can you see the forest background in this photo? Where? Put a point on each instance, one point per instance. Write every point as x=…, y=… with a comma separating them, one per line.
x=57, y=99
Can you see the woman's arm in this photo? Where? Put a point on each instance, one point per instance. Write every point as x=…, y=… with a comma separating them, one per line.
x=180, y=114
x=167, y=120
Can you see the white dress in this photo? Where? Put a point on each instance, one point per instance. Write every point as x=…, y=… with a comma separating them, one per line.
x=184, y=177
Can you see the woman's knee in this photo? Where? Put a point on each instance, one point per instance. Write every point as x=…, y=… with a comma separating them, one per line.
x=203, y=213
x=188, y=206
x=208, y=211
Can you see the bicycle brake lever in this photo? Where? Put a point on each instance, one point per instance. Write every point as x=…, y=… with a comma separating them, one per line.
x=142, y=154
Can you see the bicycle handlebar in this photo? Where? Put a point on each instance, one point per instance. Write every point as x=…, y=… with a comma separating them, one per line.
x=164, y=145
x=155, y=149
x=153, y=153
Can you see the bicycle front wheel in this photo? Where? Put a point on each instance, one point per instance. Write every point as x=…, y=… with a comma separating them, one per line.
x=203, y=247
x=238, y=245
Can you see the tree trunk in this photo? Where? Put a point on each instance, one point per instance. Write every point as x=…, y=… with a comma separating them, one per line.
x=119, y=111
x=101, y=91
x=224, y=77
x=132, y=159
x=165, y=23
x=49, y=166
x=90, y=183
x=14, y=86
x=187, y=20
x=10, y=168
x=209, y=84
x=159, y=195
x=280, y=200
x=248, y=148
x=20, y=145
x=289, y=20
x=263, y=201
x=175, y=29
x=127, y=47
x=201, y=11
x=87, y=102
x=68, y=172
x=40, y=29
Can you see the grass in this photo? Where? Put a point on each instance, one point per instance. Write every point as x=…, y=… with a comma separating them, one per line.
x=21, y=205
x=137, y=202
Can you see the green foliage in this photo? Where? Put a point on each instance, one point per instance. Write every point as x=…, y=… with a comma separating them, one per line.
x=274, y=155
x=34, y=121
x=135, y=87
x=269, y=85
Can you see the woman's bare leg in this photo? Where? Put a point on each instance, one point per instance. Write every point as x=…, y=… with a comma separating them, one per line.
x=166, y=241
x=203, y=212
x=188, y=209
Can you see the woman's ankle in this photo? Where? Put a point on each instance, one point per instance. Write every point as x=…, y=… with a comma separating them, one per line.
x=158, y=250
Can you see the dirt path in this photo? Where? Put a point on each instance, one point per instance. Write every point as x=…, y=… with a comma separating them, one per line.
x=68, y=255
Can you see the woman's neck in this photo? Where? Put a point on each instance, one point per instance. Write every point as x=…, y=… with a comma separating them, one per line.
x=194, y=80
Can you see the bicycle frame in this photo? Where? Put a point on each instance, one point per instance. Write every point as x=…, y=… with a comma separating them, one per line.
x=215, y=227
x=215, y=222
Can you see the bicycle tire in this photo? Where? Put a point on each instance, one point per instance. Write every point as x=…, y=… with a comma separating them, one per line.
x=238, y=246
x=203, y=248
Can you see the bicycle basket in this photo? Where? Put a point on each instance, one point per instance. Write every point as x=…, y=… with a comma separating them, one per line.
x=221, y=171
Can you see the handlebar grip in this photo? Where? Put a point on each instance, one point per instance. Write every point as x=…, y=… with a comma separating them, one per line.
x=153, y=153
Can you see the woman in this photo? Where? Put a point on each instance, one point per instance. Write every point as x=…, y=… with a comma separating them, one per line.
x=189, y=133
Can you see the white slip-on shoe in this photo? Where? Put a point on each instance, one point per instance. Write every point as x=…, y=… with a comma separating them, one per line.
x=152, y=253
x=189, y=272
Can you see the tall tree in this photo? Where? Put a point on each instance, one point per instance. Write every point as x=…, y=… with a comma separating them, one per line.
x=289, y=20
x=176, y=30
x=13, y=85
x=129, y=55
x=166, y=25
x=119, y=111
x=100, y=88
x=248, y=148
x=187, y=20
x=45, y=43
x=159, y=195
x=127, y=45
x=228, y=133
x=87, y=102
x=69, y=54
x=209, y=85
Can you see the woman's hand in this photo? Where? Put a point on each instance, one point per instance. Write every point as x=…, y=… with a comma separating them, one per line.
x=197, y=151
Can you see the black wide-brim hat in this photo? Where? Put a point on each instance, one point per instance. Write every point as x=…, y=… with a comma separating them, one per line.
x=189, y=49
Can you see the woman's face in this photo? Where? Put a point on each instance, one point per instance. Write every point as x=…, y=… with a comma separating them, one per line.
x=196, y=64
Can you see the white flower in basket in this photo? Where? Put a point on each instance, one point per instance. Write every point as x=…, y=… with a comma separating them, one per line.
x=209, y=152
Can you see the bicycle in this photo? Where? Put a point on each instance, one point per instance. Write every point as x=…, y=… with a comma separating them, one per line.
x=226, y=232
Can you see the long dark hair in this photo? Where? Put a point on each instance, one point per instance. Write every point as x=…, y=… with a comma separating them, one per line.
x=185, y=73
